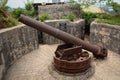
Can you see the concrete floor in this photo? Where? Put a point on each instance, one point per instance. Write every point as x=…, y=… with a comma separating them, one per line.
x=35, y=66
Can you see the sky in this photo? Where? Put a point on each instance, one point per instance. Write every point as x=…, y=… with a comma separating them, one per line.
x=20, y=3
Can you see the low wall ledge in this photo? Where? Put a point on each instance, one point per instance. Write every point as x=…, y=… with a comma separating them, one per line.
x=11, y=28
x=106, y=25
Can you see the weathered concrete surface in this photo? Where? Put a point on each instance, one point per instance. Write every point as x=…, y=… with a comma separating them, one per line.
x=14, y=43
x=74, y=28
x=35, y=66
x=105, y=35
x=58, y=11
x=2, y=71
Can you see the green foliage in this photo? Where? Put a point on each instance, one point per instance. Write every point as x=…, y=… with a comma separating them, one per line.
x=5, y=17
x=7, y=22
x=3, y=4
x=17, y=12
x=28, y=11
x=44, y=17
x=108, y=18
x=115, y=6
x=28, y=5
x=72, y=1
x=104, y=16
x=70, y=17
x=113, y=21
x=88, y=16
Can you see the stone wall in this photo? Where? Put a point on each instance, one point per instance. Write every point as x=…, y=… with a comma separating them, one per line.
x=14, y=43
x=105, y=35
x=74, y=28
x=57, y=11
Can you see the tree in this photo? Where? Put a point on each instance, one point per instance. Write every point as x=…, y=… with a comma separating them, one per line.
x=3, y=8
x=3, y=4
x=5, y=18
x=114, y=5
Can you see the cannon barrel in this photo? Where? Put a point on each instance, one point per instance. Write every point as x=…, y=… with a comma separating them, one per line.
x=97, y=51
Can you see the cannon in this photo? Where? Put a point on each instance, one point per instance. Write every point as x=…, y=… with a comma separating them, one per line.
x=69, y=57
x=98, y=51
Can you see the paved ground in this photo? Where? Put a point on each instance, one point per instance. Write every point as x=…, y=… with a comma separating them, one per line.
x=35, y=66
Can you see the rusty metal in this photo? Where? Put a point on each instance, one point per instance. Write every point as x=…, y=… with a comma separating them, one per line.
x=71, y=59
x=98, y=52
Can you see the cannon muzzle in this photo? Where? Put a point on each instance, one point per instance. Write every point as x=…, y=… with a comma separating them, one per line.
x=98, y=51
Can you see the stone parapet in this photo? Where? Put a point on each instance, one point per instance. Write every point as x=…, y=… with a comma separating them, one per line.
x=74, y=28
x=14, y=43
x=105, y=35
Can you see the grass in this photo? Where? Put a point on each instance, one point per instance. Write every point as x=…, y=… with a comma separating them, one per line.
x=44, y=17
x=7, y=22
x=112, y=21
x=70, y=17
